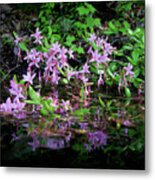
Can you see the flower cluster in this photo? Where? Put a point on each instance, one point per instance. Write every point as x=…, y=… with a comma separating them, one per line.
x=96, y=140
x=52, y=68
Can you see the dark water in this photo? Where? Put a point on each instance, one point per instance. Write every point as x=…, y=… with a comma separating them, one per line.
x=35, y=141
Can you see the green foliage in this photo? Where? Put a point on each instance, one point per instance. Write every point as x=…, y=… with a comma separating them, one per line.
x=34, y=96
x=80, y=113
x=101, y=102
x=74, y=22
x=127, y=92
x=131, y=41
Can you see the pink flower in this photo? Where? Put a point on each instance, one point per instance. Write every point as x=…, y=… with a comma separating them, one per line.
x=63, y=57
x=17, y=105
x=90, y=50
x=128, y=70
x=99, y=42
x=95, y=56
x=108, y=48
x=33, y=54
x=66, y=104
x=70, y=74
x=104, y=58
x=85, y=68
x=34, y=62
x=29, y=78
x=56, y=47
x=55, y=78
x=16, y=90
x=37, y=36
x=7, y=107
x=70, y=52
x=84, y=79
x=100, y=80
x=92, y=37
x=17, y=40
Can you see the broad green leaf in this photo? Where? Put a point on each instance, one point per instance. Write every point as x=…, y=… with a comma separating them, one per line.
x=34, y=96
x=135, y=56
x=30, y=102
x=44, y=112
x=127, y=92
x=22, y=46
x=81, y=112
x=82, y=11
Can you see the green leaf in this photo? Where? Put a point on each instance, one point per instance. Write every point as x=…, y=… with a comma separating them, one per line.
x=127, y=92
x=30, y=102
x=135, y=56
x=90, y=7
x=61, y=71
x=81, y=112
x=126, y=24
x=34, y=96
x=82, y=11
x=80, y=50
x=112, y=26
x=22, y=46
x=15, y=34
x=118, y=125
x=97, y=22
x=44, y=112
x=65, y=81
x=110, y=73
x=47, y=106
x=101, y=102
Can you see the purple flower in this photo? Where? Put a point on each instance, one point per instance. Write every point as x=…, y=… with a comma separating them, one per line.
x=7, y=107
x=20, y=115
x=68, y=137
x=56, y=47
x=18, y=106
x=16, y=90
x=126, y=131
x=17, y=40
x=70, y=52
x=15, y=138
x=70, y=74
x=85, y=68
x=63, y=56
x=95, y=56
x=37, y=36
x=92, y=37
x=31, y=55
x=90, y=50
x=83, y=125
x=99, y=42
x=34, y=62
x=29, y=78
x=103, y=59
x=55, y=143
x=100, y=80
x=128, y=70
x=88, y=147
x=55, y=78
x=127, y=123
x=97, y=139
x=66, y=105
x=108, y=49
x=35, y=143
x=84, y=79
